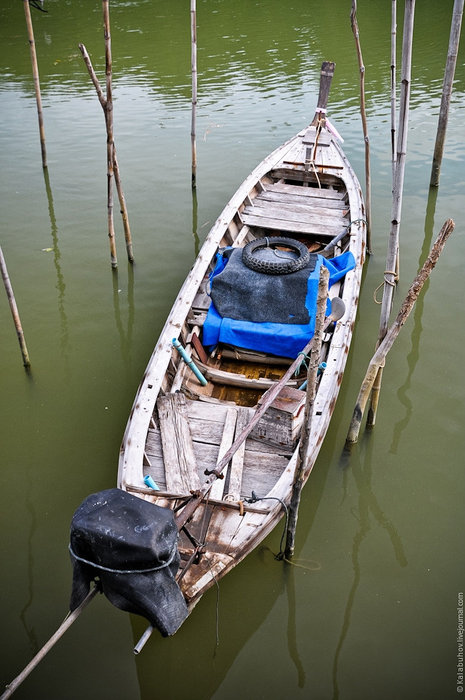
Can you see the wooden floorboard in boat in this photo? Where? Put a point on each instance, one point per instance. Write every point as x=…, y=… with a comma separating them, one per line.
x=297, y=199
x=262, y=466
x=319, y=192
x=178, y=450
x=304, y=212
x=316, y=228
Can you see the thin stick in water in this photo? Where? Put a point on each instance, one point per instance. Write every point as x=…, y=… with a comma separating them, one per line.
x=302, y=457
x=14, y=310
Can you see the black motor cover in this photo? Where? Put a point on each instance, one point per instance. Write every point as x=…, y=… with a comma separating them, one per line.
x=131, y=546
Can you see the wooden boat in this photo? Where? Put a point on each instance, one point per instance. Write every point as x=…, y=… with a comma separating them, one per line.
x=180, y=427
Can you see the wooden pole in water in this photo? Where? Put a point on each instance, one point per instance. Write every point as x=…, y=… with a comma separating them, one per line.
x=393, y=86
x=109, y=115
x=379, y=357
x=108, y=112
x=302, y=457
x=194, y=89
x=35, y=73
x=355, y=30
x=112, y=160
x=14, y=310
x=65, y=625
x=123, y=208
x=392, y=258
x=449, y=73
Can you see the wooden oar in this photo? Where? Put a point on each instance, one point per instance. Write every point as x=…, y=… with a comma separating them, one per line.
x=337, y=311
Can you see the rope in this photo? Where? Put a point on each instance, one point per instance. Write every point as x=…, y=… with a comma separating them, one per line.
x=315, y=565
x=302, y=362
x=385, y=281
x=124, y=571
x=254, y=498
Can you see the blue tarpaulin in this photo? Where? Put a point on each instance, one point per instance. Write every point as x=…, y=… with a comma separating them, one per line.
x=284, y=339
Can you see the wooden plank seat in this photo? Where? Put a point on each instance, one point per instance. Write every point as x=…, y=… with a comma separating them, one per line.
x=301, y=210
x=314, y=196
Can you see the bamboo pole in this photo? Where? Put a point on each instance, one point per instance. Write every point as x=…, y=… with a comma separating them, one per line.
x=392, y=258
x=14, y=310
x=194, y=90
x=366, y=138
x=35, y=73
x=449, y=73
x=123, y=207
x=65, y=625
x=113, y=171
x=108, y=112
x=379, y=357
x=393, y=86
x=302, y=456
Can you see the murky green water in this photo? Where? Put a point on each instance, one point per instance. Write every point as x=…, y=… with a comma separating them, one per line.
x=370, y=609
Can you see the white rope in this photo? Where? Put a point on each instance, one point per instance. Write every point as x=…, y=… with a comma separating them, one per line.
x=124, y=571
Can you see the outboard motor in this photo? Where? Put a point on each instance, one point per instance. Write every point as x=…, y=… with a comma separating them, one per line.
x=131, y=546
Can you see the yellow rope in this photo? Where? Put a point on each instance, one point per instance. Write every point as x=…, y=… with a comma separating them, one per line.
x=385, y=281
x=312, y=564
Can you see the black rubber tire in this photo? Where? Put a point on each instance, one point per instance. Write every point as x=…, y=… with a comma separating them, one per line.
x=283, y=267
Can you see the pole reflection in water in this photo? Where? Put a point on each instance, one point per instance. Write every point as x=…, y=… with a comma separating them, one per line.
x=125, y=335
x=60, y=283
x=360, y=463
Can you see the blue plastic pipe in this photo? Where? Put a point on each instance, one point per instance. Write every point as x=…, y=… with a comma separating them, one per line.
x=148, y=481
x=189, y=362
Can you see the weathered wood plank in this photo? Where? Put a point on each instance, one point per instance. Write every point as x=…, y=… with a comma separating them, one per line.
x=229, y=428
x=207, y=411
x=201, y=300
x=261, y=472
x=234, y=379
x=297, y=212
x=329, y=230
x=178, y=451
x=301, y=200
x=324, y=138
x=237, y=462
x=319, y=192
x=299, y=175
x=241, y=237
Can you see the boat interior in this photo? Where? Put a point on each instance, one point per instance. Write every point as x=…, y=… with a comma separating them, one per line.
x=296, y=202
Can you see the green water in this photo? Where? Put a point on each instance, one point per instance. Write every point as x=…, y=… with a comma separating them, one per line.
x=370, y=610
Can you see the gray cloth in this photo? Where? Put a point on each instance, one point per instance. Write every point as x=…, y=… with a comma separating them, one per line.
x=245, y=295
